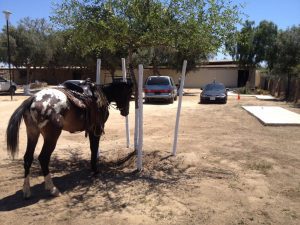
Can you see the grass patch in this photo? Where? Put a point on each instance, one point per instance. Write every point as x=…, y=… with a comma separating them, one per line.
x=262, y=166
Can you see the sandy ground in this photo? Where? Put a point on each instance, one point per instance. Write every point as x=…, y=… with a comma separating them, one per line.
x=230, y=169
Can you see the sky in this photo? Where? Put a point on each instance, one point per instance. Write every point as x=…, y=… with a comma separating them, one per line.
x=284, y=13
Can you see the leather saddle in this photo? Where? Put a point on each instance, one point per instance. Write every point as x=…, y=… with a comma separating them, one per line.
x=79, y=92
x=83, y=87
x=82, y=94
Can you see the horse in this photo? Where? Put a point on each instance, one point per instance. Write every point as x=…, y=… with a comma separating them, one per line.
x=52, y=110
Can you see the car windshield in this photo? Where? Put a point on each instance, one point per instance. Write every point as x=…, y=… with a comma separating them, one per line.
x=158, y=81
x=2, y=80
x=214, y=87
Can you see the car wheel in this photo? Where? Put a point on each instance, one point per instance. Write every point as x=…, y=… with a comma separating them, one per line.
x=12, y=90
x=175, y=99
x=171, y=100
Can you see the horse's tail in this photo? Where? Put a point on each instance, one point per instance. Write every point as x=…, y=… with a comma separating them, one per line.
x=12, y=131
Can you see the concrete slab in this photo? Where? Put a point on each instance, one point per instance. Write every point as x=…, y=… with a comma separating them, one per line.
x=273, y=115
x=265, y=97
x=231, y=93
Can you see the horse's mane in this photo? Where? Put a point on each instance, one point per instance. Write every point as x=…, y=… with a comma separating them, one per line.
x=101, y=98
x=111, y=88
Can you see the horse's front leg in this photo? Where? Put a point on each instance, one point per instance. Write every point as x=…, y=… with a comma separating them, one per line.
x=94, y=145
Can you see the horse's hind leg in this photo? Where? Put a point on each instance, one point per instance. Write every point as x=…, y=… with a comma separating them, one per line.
x=50, y=135
x=94, y=145
x=33, y=134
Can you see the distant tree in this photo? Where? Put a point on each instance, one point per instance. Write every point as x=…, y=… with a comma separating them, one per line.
x=193, y=29
x=265, y=46
x=242, y=49
x=30, y=46
x=254, y=45
x=288, y=56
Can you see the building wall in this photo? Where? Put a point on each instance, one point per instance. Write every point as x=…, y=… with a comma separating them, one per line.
x=194, y=79
x=202, y=76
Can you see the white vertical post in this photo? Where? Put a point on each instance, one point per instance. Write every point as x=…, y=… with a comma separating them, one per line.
x=126, y=119
x=179, y=107
x=140, y=101
x=98, y=71
x=98, y=78
x=136, y=129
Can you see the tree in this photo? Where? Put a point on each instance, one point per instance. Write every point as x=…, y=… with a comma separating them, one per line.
x=30, y=45
x=193, y=29
x=242, y=49
x=254, y=45
x=288, y=56
x=265, y=39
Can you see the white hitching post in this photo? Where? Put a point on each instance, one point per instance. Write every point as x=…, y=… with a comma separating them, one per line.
x=179, y=107
x=98, y=71
x=98, y=76
x=126, y=119
x=140, y=123
x=136, y=129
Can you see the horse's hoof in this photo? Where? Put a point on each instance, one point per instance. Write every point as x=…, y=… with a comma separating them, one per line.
x=26, y=195
x=26, y=192
x=55, y=192
x=95, y=171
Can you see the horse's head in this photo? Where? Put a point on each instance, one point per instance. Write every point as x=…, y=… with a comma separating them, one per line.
x=120, y=93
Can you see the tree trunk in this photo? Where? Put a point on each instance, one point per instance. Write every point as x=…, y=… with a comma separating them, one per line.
x=288, y=89
x=131, y=70
x=297, y=91
x=278, y=88
x=27, y=75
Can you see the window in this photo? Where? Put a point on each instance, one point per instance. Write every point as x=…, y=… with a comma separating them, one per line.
x=158, y=81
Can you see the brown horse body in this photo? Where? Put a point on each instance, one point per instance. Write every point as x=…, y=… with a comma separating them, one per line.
x=50, y=111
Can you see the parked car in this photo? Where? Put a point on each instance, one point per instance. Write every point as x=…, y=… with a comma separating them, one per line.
x=77, y=82
x=5, y=86
x=160, y=88
x=214, y=92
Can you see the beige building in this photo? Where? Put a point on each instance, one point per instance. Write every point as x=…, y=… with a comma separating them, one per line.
x=226, y=72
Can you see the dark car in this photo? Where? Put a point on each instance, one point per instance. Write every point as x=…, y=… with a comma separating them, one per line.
x=214, y=92
x=160, y=88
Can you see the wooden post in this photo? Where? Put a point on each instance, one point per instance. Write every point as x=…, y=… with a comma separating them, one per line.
x=126, y=119
x=140, y=123
x=179, y=107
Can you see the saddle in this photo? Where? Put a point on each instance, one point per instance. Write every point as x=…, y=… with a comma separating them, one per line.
x=85, y=95
x=82, y=87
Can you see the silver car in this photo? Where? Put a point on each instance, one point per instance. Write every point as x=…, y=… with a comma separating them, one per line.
x=160, y=88
x=6, y=86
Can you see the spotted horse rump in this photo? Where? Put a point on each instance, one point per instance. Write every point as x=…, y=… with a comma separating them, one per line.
x=49, y=105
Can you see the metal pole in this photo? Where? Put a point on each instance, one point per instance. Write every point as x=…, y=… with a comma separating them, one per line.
x=126, y=118
x=140, y=136
x=8, y=55
x=98, y=78
x=98, y=72
x=179, y=107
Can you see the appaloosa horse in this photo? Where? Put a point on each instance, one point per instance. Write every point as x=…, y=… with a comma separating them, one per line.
x=50, y=111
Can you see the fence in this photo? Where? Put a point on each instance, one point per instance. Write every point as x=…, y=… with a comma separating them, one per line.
x=278, y=87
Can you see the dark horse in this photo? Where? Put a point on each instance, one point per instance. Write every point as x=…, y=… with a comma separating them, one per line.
x=50, y=111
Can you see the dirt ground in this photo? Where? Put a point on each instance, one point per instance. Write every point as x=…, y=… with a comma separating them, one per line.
x=230, y=169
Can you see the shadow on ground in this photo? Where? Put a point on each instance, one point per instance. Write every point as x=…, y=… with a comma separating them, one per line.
x=73, y=177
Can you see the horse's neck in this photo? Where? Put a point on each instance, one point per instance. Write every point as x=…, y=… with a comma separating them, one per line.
x=107, y=90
